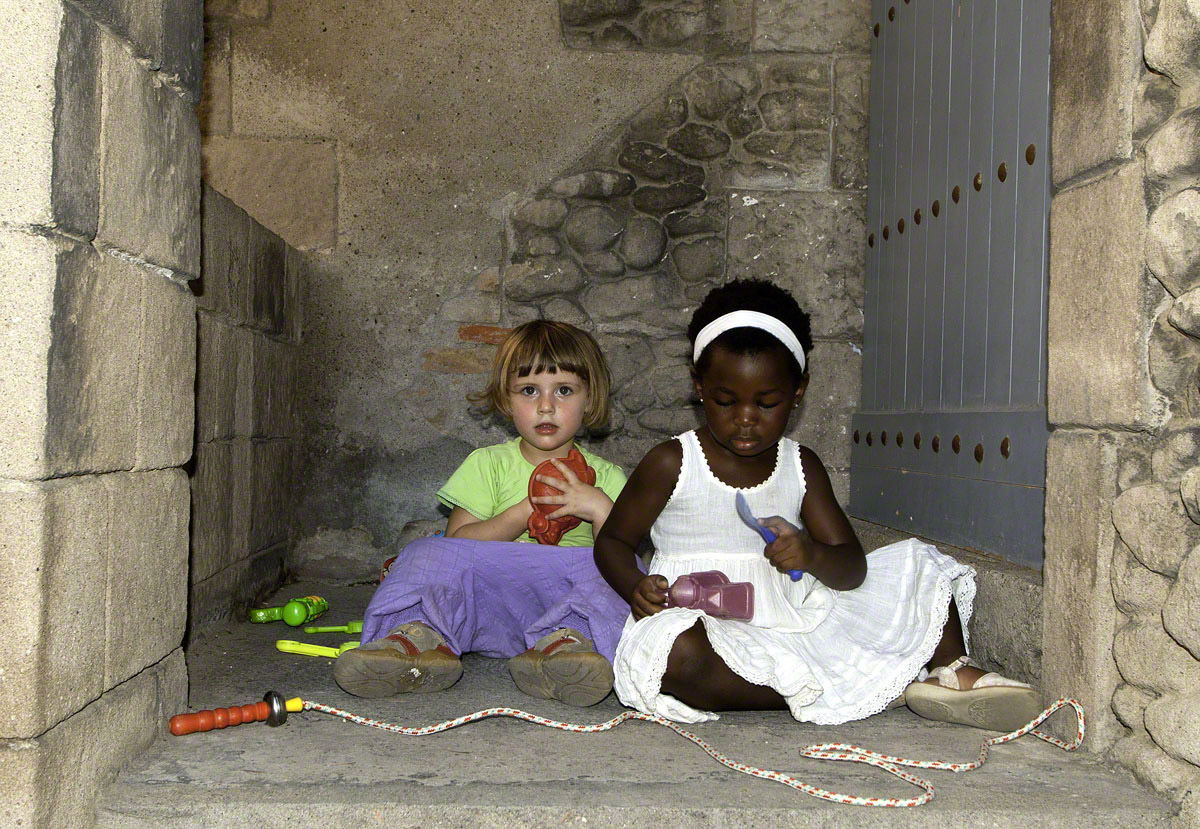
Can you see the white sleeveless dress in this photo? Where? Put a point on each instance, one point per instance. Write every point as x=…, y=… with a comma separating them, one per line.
x=833, y=655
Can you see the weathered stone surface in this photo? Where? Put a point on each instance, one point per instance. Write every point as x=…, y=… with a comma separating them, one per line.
x=743, y=119
x=1172, y=357
x=216, y=95
x=803, y=108
x=547, y=214
x=797, y=161
x=811, y=244
x=1173, y=153
x=28, y=265
x=1136, y=588
x=603, y=264
x=581, y=12
x=1096, y=52
x=1173, y=242
x=1151, y=659
x=1155, y=768
x=289, y=185
x=1174, y=723
x=237, y=9
x=851, y=115
x=659, y=164
x=137, y=22
x=544, y=246
x=459, y=360
x=592, y=227
x=564, y=310
x=712, y=90
x=1177, y=451
x=653, y=124
x=812, y=25
x=1189, y=490
x=341, y=556
x=699, y=261
x=659, y=200
x=55, y=542
x=669, y=421
x=675, y=27
x=1173, y=46
x=541, y=278
x=653, y=298
x=221, y=366
x=75, y=190
x=29, y=48
x=1097, y=302
x=699, y=141
x=1181, y=612
x=183, y=46
x=1079, y=613
x=147, y=570
x=706, y=217
x=832, y=397
x=616, y=36
x=1155, y=102
x=275, y=379
x=1153, y=522
x=643, y=242
x=274, y=464
x=221, y=490
x=594, y=184
x=166, y=402
x=57, y=779
x=1185, y=313
x=149, y=167
x=1129, y=704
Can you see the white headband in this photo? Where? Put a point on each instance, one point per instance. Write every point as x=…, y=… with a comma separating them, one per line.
x=748, y=319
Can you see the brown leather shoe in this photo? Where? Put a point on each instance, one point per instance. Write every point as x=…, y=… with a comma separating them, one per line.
x=412, y=658
x=564, y=666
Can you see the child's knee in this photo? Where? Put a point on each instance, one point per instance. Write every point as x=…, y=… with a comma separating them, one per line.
x=690, y=660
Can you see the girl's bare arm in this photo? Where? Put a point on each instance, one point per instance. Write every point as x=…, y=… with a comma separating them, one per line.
x=639, y=504
x=505, y=526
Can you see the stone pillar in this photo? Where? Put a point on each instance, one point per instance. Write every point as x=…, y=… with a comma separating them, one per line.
x=99, y=235
x=1120, y=610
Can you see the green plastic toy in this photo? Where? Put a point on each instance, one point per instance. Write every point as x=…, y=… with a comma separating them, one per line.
x=349, y=627
x=305, y=649
x=295, y=613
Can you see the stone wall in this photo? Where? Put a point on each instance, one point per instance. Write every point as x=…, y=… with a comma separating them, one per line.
x=99, y=235
x=243, y=478
x=1122, y=572
x=406, y=179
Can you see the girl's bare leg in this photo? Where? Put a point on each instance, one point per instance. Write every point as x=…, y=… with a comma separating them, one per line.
x=951, y=647
x=697, y=676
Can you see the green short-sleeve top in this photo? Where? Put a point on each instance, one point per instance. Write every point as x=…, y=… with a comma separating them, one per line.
x=494, y=478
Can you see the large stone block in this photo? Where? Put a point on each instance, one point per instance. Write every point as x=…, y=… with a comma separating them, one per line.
x=851, y=117
x=1100, y=301
x=1136, y=588
x=29, y=49
x=274, y=465
x=290, y=185
x=222, y=500
x=274, y=388
x=166, y=399
x=1173, y=152
x=1173, y=46
x=149, y=167
x=27, y=274
x=223, y=224
x=147, y=570
x=810, y=244
x=220, y=365
x=1157, y=769
x=1096, y=60
x=263, y=259
x=829, y=403
x=1152, y=520
x=56, y=779
x=183, y=46
x=1079, y=614
x=137, y=23
x=1151, y=659
x=812, y=26
x=54, y=537
x=76, y=181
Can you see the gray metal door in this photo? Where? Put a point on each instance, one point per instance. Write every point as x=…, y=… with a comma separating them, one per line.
x=950, y=437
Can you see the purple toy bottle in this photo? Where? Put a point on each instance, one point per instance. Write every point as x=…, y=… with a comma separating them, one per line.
x=712, y=592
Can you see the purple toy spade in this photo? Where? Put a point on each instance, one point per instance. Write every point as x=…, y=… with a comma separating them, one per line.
x=744, y=513
x=712, y=592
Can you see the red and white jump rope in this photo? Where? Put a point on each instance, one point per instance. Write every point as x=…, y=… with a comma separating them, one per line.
x=274, y=710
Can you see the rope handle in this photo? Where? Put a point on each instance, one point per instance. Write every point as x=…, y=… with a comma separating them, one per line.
x=823, y=751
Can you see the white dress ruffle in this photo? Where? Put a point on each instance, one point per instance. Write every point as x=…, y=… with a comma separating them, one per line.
x=833, y=655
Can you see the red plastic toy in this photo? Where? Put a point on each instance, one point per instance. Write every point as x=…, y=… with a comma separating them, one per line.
x=551, y=530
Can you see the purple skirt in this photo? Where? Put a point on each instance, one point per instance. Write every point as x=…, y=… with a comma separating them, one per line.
x=496, y=598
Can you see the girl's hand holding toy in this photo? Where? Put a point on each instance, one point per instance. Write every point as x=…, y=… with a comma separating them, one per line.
x=790, y=551
x=563, y=493
x=649, y=596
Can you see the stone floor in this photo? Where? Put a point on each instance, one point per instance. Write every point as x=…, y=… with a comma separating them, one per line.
x=319, y=770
